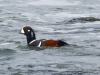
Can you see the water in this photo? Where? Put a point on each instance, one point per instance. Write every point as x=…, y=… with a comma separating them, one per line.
x=47, y=18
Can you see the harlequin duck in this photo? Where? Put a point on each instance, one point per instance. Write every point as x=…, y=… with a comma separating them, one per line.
x=31, y=39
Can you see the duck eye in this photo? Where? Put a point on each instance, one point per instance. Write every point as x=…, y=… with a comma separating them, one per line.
x=28, y=30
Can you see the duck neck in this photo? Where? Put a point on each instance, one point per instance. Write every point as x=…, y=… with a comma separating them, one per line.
x=31, y=37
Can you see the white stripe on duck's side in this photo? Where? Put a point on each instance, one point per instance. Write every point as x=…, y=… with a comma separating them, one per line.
x=39, y=44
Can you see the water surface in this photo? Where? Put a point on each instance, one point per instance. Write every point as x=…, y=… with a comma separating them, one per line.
x=48, y=18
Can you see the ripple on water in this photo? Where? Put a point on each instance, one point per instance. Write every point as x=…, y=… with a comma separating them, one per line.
x=48, y=72
x=16, y=58
x=6, y=52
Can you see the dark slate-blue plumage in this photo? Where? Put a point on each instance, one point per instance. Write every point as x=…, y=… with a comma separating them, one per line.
x=37, y=43
x=31, y=39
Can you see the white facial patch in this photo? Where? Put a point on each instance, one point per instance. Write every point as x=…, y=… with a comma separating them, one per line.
x=28, y=30
x=22, y=31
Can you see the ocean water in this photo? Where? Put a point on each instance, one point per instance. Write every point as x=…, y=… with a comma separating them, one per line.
x=47, y=18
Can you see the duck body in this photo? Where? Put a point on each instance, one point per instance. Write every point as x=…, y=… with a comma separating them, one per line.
x=31, y=39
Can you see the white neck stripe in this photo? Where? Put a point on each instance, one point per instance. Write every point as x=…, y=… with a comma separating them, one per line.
x=32, y=41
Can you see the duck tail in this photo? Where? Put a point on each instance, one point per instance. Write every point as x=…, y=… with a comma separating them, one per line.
x=62, y=43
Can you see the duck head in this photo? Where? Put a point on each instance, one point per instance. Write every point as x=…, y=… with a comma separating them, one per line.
x=28, y=31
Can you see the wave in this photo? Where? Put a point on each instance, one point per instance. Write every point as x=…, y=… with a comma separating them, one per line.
x=53, y=2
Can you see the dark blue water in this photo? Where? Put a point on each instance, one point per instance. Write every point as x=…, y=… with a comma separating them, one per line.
x=48, y=19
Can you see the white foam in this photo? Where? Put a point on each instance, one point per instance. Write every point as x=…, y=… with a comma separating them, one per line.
x=31, y=16
x=39, y=19
x=44, y=29
x=28, y=15
x=4, y=44
x=53, y=2
x=64, y=15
